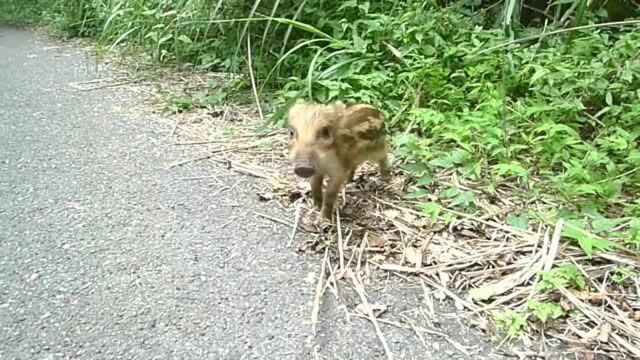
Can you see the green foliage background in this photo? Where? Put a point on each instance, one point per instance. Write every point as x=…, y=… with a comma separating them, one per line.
x=557, y=116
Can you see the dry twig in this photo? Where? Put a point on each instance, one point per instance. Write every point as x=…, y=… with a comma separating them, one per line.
x=316, y=299
x=357, y=282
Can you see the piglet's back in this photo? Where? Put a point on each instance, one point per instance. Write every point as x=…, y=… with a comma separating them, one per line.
x=363, y=122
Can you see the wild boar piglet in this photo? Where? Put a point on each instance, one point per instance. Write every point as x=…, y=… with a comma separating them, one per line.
x=331, y=141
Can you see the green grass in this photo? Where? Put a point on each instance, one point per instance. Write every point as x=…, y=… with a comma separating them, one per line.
x=19, y=12
x=555, y=116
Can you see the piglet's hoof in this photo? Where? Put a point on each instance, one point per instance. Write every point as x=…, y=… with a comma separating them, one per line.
x=322, y=223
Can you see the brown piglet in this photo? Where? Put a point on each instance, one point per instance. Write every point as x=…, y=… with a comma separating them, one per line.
x=331, y=141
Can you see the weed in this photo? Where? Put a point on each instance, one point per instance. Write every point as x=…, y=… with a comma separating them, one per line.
x=544, y=311
x=510, y=322
x=565, y=276
x=619, y=275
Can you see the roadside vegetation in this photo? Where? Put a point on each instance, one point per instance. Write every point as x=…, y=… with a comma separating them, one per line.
x=530, y=110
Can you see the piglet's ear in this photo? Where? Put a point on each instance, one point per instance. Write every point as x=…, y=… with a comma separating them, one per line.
x=295, y=110
x=338, y=106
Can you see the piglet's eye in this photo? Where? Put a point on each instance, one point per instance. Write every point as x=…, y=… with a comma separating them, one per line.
x=325, y=133
x=291, y=133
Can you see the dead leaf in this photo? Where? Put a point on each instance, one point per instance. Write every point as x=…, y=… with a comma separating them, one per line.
x=376, y=309
x=603, y=333
x=391, y=213
x=468, y=233
x=310, y=228
x=566, y=305
x=391, y=237
x=308, y=224
x=306, y=245
x=485, y=325
x=409, y=218
x=378, y=258
x=599, y=333
x=413, y=255
x=444, y=278
x=445, y=253
x=423, y=223
x=303, y=186
x=361, y=195
x=597, y=298
x=623, y=305
x=506, y=259
x=581, y=294
x=592, y=334
x=585, y=355
x=574, y=341
x=265, y=196
x=312, y=246
x=375, y=240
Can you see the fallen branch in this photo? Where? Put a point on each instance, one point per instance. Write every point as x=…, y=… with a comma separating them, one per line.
x=296, y=221
x=80, y=88
x=316, y=299
x=183, y=162
x=274, y=219
x=253, y=80
x=357, y=283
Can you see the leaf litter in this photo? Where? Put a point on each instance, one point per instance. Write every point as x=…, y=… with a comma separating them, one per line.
x=484, y=262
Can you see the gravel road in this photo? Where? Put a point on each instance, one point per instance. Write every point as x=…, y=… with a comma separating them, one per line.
x=107, y=254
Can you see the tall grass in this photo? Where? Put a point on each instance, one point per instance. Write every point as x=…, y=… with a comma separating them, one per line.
x=556, y=115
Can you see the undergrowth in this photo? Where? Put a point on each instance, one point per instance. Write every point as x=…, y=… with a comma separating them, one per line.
x=556, y=117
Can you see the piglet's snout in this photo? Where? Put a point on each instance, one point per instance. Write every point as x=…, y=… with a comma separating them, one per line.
x=303, y=170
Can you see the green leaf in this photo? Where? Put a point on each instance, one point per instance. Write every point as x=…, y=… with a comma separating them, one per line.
x=612, y=189
x=449, y=192
x=348, y=4
x=510, y=322
x=425, y=180
x=463, y=199
x=444, y=162
x=431, y=210
x=358, y=42
x=604, y=224
x=586, y=242
x=428, y=50
x=583, y=189
x=609, y=99
x=538, y=75
x=545, y=310
x=415, y=168
x=520, y=222
x=563, y=276
x=165, y=38
x=416, y=194
x=185, y=39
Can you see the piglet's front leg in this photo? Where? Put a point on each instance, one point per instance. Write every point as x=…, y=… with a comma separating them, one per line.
x=334, y=186
x=316, y=190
